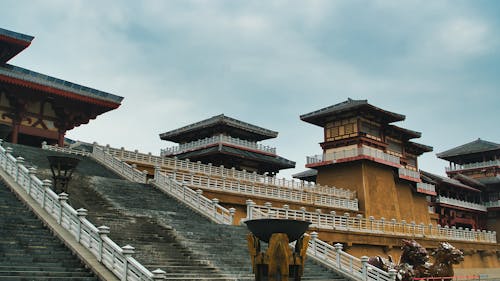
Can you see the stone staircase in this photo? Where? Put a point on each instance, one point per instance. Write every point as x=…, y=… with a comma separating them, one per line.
x=165, y=233
x=28, y=251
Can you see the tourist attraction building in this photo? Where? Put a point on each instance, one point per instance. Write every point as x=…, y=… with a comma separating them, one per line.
x=362, y=195
x=478, y=163
x=35, y=107
x=364, y=151
x=222, y=140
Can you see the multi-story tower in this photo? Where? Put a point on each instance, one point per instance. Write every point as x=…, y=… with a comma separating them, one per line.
x=479, y=160
x=222, y=140
x=364, y=152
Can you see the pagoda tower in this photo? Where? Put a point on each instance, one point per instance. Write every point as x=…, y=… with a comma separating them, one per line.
x=35, y=107
x=480, y=161
x=364, y=152
x=222, y=140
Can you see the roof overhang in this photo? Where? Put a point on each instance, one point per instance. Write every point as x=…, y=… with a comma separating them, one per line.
x=349, y=108
x=12, y=43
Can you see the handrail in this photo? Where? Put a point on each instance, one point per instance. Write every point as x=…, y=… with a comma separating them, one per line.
x=56, y=148
x=461, y=203
x=354, y=152
x=117, y=260
x=426, y=188
x=119, y=166
x=215, y=140
x=252, y=189
x=334, y=257
x=370, y=225
x=475, y=165
x=209, y=169
x=209, y=208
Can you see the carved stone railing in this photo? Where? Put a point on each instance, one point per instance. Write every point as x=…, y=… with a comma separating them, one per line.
x=354, y=152
x=407, y=173
x=334, y=257
x=461, y=203
x=198, y=167
x=64, y=149
x=117, y=259
x=209, y=208
x=119, y=166
x=370, y=225
x=477, y=165
x=492, y=204
x=205, y=182
x=426, y=188
x=194, y=145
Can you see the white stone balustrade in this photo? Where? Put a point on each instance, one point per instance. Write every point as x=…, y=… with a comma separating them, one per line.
x=404, y=172
x=254, y=189
x=354, y=152
x=370, y=225
x=477, y=165
x=209, y=208
x=215, y=140
x=461, y=203
x=492, y=204
x=197, y=167
x=348, y=265
x=117, y=260
x=426, y=188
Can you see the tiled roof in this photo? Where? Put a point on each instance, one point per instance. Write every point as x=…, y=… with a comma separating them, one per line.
x=421, y=147
x=446, y=180
x=281, y=162
x=409, y=134
x=23, y=74
x=219, y=120
x=468, y=180
x=12, y=43
x=306, y=174
x=318, y=117
x=472, y=147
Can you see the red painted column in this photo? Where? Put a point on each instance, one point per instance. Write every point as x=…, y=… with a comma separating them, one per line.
x=15, y=131
x=60, y=138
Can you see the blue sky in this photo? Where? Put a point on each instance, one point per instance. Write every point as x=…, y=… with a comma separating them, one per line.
x=267, y=62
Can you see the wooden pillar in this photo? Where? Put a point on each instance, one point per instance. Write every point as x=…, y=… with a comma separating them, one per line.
x=15, y=131
x=60, y=138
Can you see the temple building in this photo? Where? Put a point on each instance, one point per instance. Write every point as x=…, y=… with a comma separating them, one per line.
x=35, y=107
x=479, y=160
x=363, y=151
x=457, y=202
x=222, y=140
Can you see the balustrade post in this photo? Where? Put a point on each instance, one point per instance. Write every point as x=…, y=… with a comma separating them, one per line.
x=268, y=205
x=393, y=222
x=31, y=173
x=392, y=274
x=318, y=213
x=81, y=214
x=250, y=205
x=303, y=210
x=403, y=224
x=372, y=219
x=215, y=201
x=19, y=162
x=430, y=229
x=314, y=237
x=286, y=207
x=359, y=217
x=103, y=232
x=46, y=185
x=159, y=275
x=199, y=192
x=382, y=223
x=232, y=211
x=338, y=252
x=364, y=265
x=63, y=198
x=333, y=214
x=127, y=252
x=413, y=224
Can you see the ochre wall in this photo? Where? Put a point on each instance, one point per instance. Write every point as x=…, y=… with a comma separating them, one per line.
x=380, y=192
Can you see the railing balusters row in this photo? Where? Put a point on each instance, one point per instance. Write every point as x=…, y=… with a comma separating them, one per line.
x=371, y=225
x=117, y=260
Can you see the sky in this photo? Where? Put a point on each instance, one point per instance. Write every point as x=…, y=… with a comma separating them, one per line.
x=268, y=62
